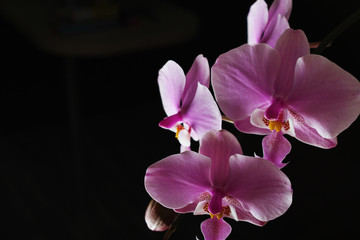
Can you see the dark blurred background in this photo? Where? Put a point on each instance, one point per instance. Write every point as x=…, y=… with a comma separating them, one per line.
x=80, y=108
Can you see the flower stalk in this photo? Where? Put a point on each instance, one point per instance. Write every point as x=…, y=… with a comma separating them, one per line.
x=337, y=31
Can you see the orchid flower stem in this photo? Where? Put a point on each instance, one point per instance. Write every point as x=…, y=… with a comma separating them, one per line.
x=338, y=31
x=226, y=119
x=173, y=227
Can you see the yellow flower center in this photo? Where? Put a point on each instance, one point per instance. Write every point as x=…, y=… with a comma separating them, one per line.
x=276, y=125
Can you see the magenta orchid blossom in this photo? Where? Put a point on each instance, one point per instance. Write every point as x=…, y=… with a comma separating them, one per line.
x=266, y=26
x=270, y=86
x=187, y=101
x=221, y=182
x=286, y=90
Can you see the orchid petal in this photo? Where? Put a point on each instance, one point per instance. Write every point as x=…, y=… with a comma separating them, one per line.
x=282, y=7
x=257, y=20
x=261, y=188
x=243, y=79
x=309, y=135
x=198, y=73
x=325, y=95
x=179, y=179
x=203, y=113
x=171, y=82
x=291, y=45
x=238, y=213
x=215, y=229
x=275, y=148
x=273, y=31
x=219, y=146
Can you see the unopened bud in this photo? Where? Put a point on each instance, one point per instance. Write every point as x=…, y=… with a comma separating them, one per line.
x=158, y=217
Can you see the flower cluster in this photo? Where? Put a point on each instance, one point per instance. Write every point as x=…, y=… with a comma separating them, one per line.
x=270, y=86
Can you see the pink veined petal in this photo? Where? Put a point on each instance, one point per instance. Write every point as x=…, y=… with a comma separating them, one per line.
x=256, y=21
x=171, y=82
x=309, y=135
x=243, y=79
x=202, y=114
x=198, y=73
x=179, y=179
x=215, y=229
x=275, y=148
x=219, y=146
x=291, y=45
x=276, y=26
x=260, y=187
x=282, y=7
x=238, y=213
x=325, y=95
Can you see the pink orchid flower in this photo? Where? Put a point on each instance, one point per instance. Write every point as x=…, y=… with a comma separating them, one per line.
x=187, y=101
x=221, y=182
x=286, y=90
x=266, y=26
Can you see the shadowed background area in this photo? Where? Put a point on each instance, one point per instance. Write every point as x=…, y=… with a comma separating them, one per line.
x=80, y=108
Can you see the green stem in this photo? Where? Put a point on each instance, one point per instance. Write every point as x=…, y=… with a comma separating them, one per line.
x=338, y=31
x=226, y=119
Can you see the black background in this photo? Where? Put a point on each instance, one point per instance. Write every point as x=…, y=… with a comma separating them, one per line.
x=55, y=185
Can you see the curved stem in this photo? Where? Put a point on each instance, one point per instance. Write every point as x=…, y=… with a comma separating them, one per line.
x=338, y=31
x=173, y=227
x=226, y=119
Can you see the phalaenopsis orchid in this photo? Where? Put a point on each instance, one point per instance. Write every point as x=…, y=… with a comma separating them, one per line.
x=270, y=86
